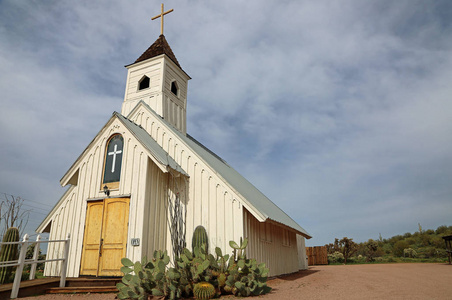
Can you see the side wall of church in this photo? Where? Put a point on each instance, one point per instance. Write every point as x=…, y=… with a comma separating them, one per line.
x=70, y=216
x=155, y=216
x=211, y=203
x=272, y=244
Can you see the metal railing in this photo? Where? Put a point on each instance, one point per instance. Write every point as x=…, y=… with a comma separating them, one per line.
x=21, y=262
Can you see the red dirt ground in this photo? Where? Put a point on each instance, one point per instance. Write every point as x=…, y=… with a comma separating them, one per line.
x=376, y=281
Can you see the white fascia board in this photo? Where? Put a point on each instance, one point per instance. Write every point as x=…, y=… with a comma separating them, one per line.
x=75, y=166
x=48, y=218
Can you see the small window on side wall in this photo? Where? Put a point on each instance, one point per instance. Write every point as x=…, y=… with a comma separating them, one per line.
x=265, y=232
x=174, y=88
x=286, y=238
x=143, y=83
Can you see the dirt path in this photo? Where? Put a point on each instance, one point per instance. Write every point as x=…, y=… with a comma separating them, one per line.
x=382, y=281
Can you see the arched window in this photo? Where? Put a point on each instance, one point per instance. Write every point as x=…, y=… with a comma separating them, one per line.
x=113, y=160
x=143, y=83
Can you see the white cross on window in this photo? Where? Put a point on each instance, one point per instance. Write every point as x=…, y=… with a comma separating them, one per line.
x=114, y=153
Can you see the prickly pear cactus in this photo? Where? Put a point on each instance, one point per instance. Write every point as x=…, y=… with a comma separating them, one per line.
x=200, y=238
x=8, y=252
x=204, y=290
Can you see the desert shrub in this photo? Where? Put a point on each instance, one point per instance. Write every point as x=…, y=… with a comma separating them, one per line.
x=438, y=242
x=410, y=241
x=442, y=253
x=389, y=259
x=432, y=252
x=441, y=229
x=426, y=252
x=425, y=240
x=379, y=259
x=387, y=248
x=407, y=235
x=409, y=252
x=399, y=247
x=336, y=257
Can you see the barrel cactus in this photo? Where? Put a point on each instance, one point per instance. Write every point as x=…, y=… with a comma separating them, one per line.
x=200, y=238
x=204, y=290
x=8, y=252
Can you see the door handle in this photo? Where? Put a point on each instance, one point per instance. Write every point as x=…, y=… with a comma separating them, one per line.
x=100, y=247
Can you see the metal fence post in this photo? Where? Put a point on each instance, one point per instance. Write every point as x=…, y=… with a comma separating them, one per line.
x=35, y=258
x=64, y=263
x=20, y=267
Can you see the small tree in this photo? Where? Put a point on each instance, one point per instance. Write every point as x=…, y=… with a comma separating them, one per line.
x=349, y=247
x=12, y=214
x=371, y=249
x=345, y=246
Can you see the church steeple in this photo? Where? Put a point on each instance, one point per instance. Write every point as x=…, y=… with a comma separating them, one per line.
x=159, y=47
x=157, y=78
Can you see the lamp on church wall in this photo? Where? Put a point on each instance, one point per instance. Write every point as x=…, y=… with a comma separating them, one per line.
x=106, y=191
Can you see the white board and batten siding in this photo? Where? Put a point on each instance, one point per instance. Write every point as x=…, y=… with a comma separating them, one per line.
x=211, y=203
x=272, y=244
x=155, y=212
x=70, y=216
x=158, y=96
x=153, y=70
x=302, y=255
x=174, y=107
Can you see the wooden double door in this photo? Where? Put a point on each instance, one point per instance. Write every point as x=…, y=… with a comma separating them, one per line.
x=105, y=238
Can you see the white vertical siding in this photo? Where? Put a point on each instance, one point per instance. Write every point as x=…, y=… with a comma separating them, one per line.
x=302, y=257
x=280, y=256
x=70, y=216
x=151, y=95
x=154, y=222
x=211, y=202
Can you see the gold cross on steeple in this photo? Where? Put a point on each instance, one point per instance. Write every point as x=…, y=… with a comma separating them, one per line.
x=161, y=16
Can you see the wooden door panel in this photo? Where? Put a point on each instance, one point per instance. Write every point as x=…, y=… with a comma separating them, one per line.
x=93, y=226
x=114, y=235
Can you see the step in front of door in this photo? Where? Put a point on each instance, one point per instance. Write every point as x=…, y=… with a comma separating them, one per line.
x=80, y=290
x=87, y=282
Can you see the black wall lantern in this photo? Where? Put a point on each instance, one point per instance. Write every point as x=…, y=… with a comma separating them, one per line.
x=106, y=191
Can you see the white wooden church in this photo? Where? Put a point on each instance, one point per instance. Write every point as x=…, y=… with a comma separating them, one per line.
x=124, y=186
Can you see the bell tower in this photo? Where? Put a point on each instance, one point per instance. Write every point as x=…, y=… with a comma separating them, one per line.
x=157, y=78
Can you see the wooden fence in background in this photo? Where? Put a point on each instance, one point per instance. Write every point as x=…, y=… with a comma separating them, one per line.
x=317, y=255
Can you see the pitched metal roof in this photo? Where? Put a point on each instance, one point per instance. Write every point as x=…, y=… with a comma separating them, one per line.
x=241, y=185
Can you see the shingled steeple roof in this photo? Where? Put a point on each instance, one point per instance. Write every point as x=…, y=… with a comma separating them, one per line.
x=159, y=47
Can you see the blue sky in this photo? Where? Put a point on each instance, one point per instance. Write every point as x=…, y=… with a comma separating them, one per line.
x=338, y=111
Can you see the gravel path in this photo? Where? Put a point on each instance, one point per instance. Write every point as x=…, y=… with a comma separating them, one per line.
x=379, y=281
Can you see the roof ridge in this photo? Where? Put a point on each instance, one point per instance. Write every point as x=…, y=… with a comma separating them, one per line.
x=207, y=149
